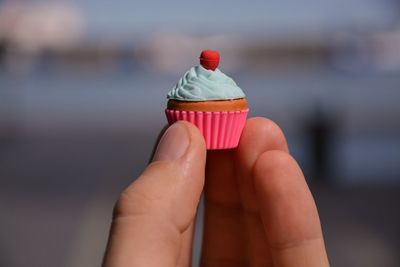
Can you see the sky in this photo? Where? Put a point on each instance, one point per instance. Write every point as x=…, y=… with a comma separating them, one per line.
x=124, y=16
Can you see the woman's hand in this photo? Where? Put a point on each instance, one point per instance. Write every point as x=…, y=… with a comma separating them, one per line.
x=258, y=208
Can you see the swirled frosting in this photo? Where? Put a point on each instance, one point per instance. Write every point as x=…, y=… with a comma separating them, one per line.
x=200, y=84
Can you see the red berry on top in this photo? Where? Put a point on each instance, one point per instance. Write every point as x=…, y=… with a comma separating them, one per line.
x=209, y=59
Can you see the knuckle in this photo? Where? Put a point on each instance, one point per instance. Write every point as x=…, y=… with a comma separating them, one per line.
x=274, y=159
x=131, y=202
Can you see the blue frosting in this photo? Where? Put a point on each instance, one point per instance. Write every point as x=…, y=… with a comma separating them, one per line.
x=200, y=84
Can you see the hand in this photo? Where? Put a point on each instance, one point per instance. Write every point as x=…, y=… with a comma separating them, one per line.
x=258, y=208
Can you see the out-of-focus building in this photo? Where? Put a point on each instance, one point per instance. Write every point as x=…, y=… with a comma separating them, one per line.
x=32, y=27
x=28, y=29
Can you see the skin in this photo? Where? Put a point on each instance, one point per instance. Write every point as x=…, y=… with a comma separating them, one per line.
x=258, y=208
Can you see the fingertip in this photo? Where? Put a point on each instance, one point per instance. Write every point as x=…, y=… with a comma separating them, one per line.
x=196, y=138
x=259, y=135
x=259, y=127
x=178, y=141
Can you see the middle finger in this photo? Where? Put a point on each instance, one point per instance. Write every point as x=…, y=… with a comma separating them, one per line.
x=259, y=135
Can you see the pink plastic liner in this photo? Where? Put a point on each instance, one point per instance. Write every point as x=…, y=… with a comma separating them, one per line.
x=221, y=130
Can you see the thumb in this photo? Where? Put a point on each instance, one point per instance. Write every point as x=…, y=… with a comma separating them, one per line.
x=156, y=209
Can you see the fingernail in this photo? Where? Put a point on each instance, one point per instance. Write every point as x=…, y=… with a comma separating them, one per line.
x=173, y=143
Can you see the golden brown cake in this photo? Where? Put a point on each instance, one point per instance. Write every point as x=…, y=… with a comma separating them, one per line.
x=208, y=106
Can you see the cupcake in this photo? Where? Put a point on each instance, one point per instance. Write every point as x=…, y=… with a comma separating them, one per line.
x=210, y=100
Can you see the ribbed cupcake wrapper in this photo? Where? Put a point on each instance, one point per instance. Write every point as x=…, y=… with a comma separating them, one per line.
x=221, y=130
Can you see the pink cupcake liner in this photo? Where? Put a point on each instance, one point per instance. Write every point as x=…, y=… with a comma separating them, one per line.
x=221, y=130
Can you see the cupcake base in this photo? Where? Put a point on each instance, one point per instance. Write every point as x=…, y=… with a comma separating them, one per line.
x=209, y=105
x=221, y=130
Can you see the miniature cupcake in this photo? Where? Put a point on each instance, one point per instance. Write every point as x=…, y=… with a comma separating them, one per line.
x=210, y=100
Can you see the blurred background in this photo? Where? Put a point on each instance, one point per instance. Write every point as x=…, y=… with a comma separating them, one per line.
x=82, y=96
